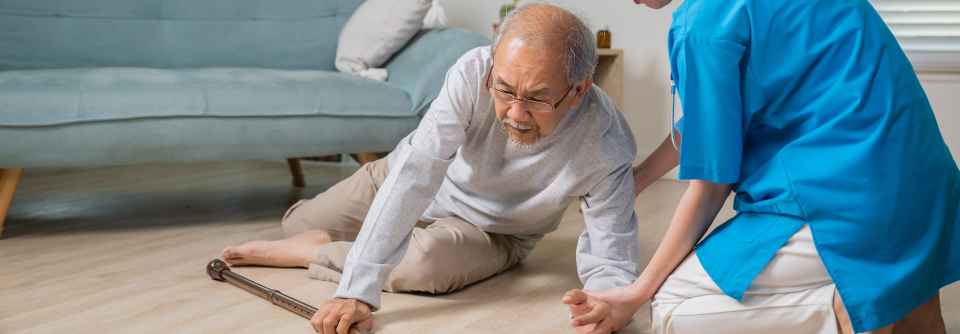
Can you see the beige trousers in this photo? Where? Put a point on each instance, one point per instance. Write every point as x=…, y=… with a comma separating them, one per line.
x=443, y=256
x=792, y=294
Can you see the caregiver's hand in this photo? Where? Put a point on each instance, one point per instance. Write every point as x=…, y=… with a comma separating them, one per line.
x=658, y=164
x=639, y=182
x=591, y=315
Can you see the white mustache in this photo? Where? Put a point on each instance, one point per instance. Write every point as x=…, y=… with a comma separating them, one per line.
x=511, y=122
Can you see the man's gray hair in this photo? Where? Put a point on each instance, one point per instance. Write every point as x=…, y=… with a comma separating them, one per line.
x=555, y=23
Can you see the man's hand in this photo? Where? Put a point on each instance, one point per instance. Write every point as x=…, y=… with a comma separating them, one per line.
x=337, y=315
x=591, y=315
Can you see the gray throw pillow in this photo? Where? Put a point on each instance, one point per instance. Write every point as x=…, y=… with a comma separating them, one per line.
x=377, y=30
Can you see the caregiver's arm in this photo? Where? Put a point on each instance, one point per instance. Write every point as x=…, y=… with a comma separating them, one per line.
x=658, y=164
x=698, y=208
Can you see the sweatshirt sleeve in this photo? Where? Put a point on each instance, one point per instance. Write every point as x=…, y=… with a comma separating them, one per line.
x=414, y=179
x=608, y=253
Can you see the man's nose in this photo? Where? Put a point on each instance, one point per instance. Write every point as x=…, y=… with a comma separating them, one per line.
x=518, y=111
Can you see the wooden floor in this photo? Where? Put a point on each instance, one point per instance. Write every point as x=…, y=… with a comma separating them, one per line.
x=123, y=249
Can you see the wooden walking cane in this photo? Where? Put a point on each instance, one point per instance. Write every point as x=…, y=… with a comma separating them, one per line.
x=219, y=270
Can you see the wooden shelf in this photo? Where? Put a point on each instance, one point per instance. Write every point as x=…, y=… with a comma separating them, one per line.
x=609, y=74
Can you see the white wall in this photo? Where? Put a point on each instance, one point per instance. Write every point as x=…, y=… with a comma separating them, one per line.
x=642, y=33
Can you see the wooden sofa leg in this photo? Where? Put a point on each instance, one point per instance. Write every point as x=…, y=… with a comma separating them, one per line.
x=297, y=172
x=365, y=158
x=9, y=180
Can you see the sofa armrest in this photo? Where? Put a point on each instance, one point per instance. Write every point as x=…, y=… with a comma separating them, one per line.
x=421, y=66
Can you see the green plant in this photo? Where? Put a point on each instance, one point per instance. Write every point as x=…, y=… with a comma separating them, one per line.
x=506, y=9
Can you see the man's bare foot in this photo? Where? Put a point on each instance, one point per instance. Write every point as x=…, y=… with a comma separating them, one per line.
x=297, y=251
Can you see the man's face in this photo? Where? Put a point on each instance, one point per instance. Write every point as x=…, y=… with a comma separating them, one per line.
x=655, y=4
x=535, y=74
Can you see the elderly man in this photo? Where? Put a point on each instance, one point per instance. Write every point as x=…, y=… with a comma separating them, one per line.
x=517, y=133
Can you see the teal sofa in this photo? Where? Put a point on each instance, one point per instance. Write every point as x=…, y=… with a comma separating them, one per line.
x=116, y=82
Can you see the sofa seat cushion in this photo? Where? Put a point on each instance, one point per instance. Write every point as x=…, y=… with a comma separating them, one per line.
x=41, y=98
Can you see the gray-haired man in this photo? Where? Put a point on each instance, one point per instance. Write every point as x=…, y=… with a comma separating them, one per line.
x=505, y=148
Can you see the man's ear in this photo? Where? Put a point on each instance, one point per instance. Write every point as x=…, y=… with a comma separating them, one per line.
x=580, y=91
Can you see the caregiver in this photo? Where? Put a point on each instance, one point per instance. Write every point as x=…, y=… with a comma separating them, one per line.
x=846, y=195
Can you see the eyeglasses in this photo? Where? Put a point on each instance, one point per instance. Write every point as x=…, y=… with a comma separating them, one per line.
x=532, y=105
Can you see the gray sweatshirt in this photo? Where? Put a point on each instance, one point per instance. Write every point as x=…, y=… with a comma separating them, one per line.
x=459, y=162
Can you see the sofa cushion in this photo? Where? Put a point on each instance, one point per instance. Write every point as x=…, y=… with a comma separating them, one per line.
x=279, y=34
x=38, y=98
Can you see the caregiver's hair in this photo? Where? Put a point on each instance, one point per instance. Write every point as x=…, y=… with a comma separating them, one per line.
x=550, y=23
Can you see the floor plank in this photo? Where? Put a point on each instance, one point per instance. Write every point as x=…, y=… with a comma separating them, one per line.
x=122, y=249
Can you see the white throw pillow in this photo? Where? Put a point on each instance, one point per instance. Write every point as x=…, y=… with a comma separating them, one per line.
x=377, y=30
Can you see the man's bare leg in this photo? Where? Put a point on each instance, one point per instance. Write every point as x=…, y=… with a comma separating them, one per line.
x=925, y=318
x=297, y=251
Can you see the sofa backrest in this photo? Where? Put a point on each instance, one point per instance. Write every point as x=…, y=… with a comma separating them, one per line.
x=280, y=34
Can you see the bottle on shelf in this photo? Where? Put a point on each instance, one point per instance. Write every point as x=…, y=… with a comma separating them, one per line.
x=603, y=37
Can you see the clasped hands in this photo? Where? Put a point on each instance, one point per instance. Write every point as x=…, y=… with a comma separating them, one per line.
x=602, y=312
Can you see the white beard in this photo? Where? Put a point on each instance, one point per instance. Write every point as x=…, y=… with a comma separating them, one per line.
x=509, y=121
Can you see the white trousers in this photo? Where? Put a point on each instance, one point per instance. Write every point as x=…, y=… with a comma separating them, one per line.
x=792, y=294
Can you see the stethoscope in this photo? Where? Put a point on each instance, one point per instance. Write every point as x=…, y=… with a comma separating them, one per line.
x=673, y=112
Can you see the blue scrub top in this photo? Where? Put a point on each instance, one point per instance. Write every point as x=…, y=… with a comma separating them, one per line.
x=811, y=109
